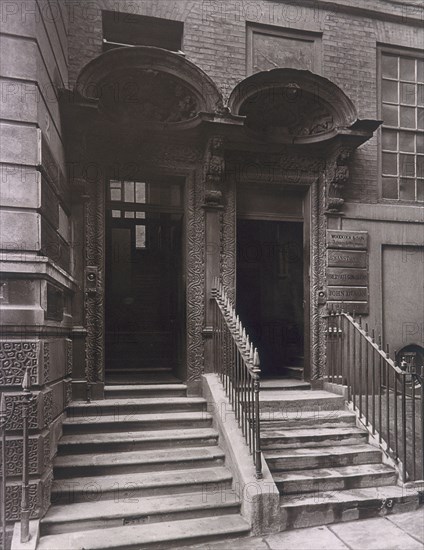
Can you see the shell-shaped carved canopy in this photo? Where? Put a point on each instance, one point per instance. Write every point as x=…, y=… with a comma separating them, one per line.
x=148, y=84
x=291, y=103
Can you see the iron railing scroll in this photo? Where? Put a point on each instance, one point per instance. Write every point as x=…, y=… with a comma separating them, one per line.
x=388, y=397
x=236, y=361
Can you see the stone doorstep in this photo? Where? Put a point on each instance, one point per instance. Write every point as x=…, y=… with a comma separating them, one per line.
x=115, y=513
x=131, y=485
x=314, y=437
x=145, y=390
x=346, y=477
x=134, y=404
x=155, y=439
x=136, y=422
x=140, y=461
x=168, y=534
x=320, y=457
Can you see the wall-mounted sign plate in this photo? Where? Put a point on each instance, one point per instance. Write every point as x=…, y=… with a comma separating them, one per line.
x=347, y=294
x=358, y=308
x=340, y=276
x=357, y=240
x=346, y=258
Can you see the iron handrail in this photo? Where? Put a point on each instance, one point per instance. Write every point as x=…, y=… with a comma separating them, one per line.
x=237, y=363
x=383, y=392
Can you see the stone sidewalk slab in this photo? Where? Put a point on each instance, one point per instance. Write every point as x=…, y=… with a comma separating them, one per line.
x=313, y=538
x=412, y=523
x=375, y=534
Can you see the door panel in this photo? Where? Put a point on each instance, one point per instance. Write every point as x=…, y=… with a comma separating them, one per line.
x=143, y=285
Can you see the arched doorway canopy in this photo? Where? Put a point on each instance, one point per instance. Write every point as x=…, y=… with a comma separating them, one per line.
x=292, y=105
x=148, y=85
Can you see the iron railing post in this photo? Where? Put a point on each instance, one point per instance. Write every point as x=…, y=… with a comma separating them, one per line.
x=27, y=397
x=3, y=418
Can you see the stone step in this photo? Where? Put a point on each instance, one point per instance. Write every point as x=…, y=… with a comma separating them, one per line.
x=294, y=372
x=114, y=513
x=312, y=437
x=322, y=457
x=139, y=440
x=136, y=422
x=132, y=485
x=121, y=407
x=134, y=537
x=322, y=508
x=300, y=401
x=277, y=420
x=334, y=479
x=145, y=390
x=137, y=461
x=284, y=384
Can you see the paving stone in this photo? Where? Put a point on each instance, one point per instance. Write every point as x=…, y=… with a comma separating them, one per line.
x=316, y=538
x=375, y=534
x=412, y=523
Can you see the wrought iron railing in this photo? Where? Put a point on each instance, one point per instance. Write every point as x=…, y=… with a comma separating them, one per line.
x=3, y=470
x=25, y=497
x=388, y=397
x=236, y=361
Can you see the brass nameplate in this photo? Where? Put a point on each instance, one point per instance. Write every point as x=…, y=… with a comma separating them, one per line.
x=346, y=258
x=359, y=308
x=347, y=239
x=348, y=293
x=339, y=276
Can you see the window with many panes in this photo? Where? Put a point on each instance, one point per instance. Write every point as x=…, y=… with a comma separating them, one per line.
x=402, y=134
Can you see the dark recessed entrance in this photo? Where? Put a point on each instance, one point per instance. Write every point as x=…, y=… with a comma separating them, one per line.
x=270, y=291
x=144, y=291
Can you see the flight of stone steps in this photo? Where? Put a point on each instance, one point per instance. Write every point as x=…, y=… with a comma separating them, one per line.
x=322, y=463
x=140, y=469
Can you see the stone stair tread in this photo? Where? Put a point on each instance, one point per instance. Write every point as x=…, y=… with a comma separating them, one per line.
x=112, y=509
x=137, y=401
x=333, y=472
x=310, y=432
x=297, y=453
x=347, y=496
x=139, y=457
x=297, y=395
x=169, y=478
x=319, y=415
x=148, y=387
x=177, y=416
x=138, y=536
x=284, y=383
x=151, y=435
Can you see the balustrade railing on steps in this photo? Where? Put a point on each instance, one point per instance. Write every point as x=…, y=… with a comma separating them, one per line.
x=237, y=364
x=389, y=397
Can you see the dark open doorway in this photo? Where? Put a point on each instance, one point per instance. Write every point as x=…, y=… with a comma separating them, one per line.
x=144, y=291
x=270, y=291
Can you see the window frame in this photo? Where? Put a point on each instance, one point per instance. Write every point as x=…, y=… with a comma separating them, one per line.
x=415, y=55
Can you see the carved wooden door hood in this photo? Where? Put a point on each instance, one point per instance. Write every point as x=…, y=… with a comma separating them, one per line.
x=149, y=85
x=297, y=107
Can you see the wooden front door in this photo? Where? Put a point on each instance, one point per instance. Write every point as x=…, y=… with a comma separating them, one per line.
x=144, y=295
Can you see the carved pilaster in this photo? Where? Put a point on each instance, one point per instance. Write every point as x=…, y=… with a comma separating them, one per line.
x=94, y=297
x=213, y=171
x=195, y=278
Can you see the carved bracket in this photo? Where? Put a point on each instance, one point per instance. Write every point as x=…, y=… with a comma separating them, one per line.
x=213, y=172
x=337, y=175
